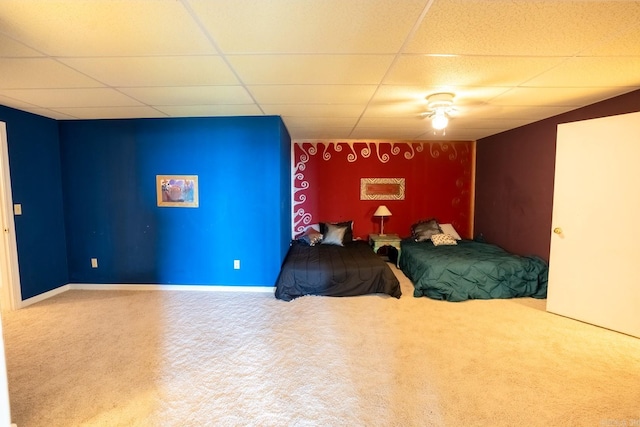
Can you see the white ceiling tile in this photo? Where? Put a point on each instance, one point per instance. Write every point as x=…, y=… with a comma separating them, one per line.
x=104, y=27
x=529, y=113
x=310, y=122
x=111, y=112
x=310, y=69
x=409, y=122
x=52, y=114
x=314, y=110
x=53, y=98
x=554, y=97
x=506, y=27
x=312, y=94
x=467, y=70
x=497, y=123
x=210, y=110
x=23, y=73
x=156, y=70
x=10, y=48
x=192, y=95
x=624, y=43
x=319, y=133
x=14, y=103
x=463, y=95
x=363, y=132
x=327, y=26
x=592, y=72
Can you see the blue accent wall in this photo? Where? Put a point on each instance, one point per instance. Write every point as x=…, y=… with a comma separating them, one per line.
x=34, y=163
x=109, y=177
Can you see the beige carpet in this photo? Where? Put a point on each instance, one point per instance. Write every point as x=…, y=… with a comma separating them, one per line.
x=132, y=358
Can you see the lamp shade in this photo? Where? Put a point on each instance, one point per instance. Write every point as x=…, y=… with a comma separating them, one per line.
x=382, y=211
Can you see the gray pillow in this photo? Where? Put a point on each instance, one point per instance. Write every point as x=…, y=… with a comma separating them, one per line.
x=333, y=235
x=423, y=230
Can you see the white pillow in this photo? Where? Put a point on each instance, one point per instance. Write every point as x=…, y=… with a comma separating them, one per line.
x=448, y=229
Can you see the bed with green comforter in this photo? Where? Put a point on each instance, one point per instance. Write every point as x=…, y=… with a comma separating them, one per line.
x=471, y=270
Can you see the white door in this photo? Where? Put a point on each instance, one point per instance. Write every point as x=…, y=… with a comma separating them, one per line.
x=594, y=264
x=9, y=299
x=10, y=295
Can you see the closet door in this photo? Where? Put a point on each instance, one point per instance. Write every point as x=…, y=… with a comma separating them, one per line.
x=594, y=265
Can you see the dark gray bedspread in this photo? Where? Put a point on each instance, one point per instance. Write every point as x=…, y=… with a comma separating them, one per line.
x=330, y=270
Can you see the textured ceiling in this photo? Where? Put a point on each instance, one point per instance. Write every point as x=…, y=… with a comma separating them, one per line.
x=333, y=69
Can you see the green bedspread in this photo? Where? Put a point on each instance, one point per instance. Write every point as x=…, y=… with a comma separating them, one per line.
x=471, y=270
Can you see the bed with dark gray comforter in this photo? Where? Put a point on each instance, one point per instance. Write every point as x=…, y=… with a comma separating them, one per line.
x=333, y=270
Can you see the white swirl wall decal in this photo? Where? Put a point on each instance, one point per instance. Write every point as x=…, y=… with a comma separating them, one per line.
x=305, y=150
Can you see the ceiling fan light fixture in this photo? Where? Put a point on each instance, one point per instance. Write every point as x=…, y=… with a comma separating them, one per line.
x=440, y=106
x=439, y=120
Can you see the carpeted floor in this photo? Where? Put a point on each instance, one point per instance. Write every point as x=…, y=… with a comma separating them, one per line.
x=136, y=358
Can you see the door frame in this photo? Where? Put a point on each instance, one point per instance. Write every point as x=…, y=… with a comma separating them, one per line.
x=10, y=293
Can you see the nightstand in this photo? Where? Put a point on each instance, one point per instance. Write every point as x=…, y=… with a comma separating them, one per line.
x=377, y=241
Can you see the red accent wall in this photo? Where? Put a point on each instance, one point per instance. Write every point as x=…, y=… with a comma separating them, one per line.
x=515, y=171
x=438, y=183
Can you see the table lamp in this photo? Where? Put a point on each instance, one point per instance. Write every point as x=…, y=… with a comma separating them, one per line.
x=382, y=211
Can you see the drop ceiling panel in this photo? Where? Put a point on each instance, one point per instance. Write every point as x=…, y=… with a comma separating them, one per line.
x=104, y=27
x=506, y=27
x=363, y=132
x=323, y=65
x=10, y=48
x=329, y=26
x=467, y=70
x=210, y=110
x=321, y=122
x=396, y=110
x=529, y=113
x=54, y=98
x=111, y=112
x=156, y=70
x=414, y=122
x=314, y=110
x=191, y=95
x=32, y=73
x=312, y=94
x=591, y=72
x=319, y=133
x=310, y=69
x=625, y=43
x=554, y=97
x=417, y=94
x=52, y=114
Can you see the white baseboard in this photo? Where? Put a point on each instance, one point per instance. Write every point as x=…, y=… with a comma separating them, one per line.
x=44, y=296
x=139, y=287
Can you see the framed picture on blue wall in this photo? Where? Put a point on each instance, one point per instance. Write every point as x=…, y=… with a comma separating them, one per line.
x=179, y=191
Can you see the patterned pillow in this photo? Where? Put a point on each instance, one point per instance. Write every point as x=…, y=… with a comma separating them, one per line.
x=423, y=230
x=443, y=239
x=311, y=237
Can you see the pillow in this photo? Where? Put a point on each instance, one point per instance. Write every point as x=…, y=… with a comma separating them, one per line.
x=443, y=240
x=448, y=229
x=311, y=237
x=348, y=234
x=334, y=235
x=423, y=230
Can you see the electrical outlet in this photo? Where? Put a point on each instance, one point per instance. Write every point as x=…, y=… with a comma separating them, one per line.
x=236, y=264
x=17, y=209
x=94, y=262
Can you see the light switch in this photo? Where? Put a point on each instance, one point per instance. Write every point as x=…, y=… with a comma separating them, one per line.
x=17, y=209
